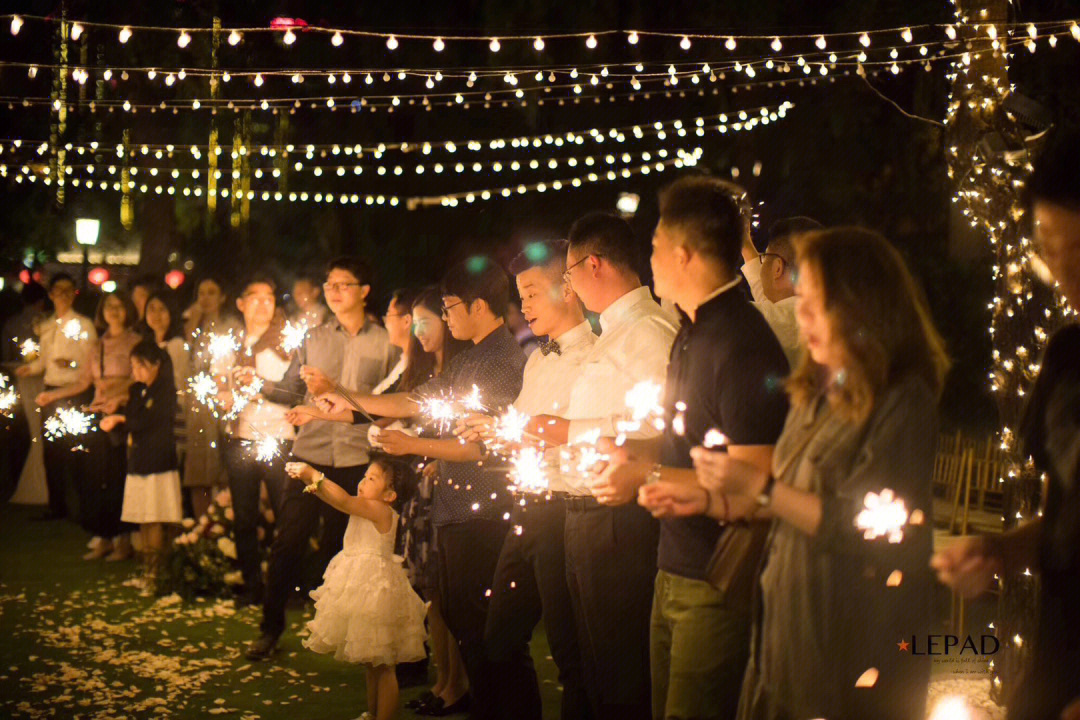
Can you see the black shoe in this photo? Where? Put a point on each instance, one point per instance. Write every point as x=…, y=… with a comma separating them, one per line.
x=262, y=648
x=422, y=701
x=440, y=709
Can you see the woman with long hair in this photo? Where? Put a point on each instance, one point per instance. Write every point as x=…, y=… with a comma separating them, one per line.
x=841, y=598
x=160, y=324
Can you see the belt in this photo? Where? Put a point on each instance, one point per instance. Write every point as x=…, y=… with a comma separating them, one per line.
x=581, y=503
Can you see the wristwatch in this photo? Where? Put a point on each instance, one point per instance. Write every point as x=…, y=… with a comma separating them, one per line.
x=764, y=498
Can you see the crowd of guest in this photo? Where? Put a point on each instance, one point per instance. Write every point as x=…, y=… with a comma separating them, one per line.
x=676, y=575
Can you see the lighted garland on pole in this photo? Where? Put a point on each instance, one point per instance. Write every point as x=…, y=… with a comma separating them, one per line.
x=989, y=142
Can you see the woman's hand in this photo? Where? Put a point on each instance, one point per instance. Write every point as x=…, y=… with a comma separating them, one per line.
x=333, y=404
x=475, y=428
x=44, y=398
x=717, y=470
x=618, y=483
x=109, y=422
x=669, y=499
x=968, y=566
x=303, y=414
x=396, y=442
x=316, y=380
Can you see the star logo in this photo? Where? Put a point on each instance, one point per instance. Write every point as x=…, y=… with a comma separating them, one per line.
x=903, y=645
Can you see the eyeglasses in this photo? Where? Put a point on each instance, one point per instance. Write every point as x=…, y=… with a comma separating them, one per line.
x=340, y=286
x=446, y=308
x=566, y=275
x=762, y=256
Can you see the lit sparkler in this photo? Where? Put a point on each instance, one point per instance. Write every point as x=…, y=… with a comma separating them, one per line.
x=883, y=515
x=439, y=412
x=643, y=402
x=204, y=387
x=530, y=470
x=9, y=398
x=714, y=438
x=29, y=348
x=267, y=448
x=472, y=402
x=293, y=336
x=510, y=426
x=73, y=330
x=222, y=346
x=68, y=421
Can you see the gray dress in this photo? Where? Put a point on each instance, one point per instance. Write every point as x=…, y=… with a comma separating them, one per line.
x=825, y=615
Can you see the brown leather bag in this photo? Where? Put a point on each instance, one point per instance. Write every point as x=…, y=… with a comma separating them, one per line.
x=734, y=565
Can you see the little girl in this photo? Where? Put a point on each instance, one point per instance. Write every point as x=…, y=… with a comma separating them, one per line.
x=152, y=486
x=365, y=611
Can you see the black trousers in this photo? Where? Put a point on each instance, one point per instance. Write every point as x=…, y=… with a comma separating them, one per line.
x=297, y=521
x=611, y=571
x=101, y=485
x=246, y=476
x=467, y=555
x=63, y=464
x=530, y=583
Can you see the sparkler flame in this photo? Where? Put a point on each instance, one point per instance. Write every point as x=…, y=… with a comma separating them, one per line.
x=9, y=398
x=510, y=426
x=293, y=336
x=883, y=515
x=29, y=347
x=472, y=401
x=643, y=400
x=714, y=438
x=267, y=448
x=73, y=330
x=220, y=346
x=204, y=387
x=530, y=470
x=68, y=421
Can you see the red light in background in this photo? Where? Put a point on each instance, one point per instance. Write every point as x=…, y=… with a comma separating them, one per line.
x=174, y=278
x=98, y=275
x=24, y=277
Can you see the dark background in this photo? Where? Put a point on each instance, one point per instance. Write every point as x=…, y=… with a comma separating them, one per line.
x=843, y=155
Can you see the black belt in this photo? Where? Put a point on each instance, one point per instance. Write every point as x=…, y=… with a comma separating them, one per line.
x=581, y=503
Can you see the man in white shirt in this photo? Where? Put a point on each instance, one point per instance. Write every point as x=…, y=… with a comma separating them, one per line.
x=611, y=550
x=530, y=578
x=769, y=275
x=65, y=341
x=257, y=420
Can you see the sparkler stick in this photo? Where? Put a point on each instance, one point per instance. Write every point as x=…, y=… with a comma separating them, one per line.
x=347, y=394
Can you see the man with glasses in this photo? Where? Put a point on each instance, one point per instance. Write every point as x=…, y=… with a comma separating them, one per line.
x=65, y=341
x=771, y=281
x=345, y=351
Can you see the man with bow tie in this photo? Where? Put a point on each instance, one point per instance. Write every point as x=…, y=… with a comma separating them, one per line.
x=530, y=579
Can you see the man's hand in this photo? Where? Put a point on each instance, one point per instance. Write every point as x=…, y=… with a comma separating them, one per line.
x=316, y=380
x=717, y=470
x=475, y=428
x=968, y=566
x=396, y=442
x=44, y=398
x=333, y=404
x=669, y=499
x=109, y=422
x=243, y=375
x=618, y=483
x=24, y=371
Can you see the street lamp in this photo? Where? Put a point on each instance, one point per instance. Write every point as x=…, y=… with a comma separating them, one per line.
x=86, y=233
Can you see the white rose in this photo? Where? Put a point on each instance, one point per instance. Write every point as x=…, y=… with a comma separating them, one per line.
x=229, y=514
x=227, y=547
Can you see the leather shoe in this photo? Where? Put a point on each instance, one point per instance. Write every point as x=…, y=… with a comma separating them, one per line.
x=262, y=647
x=438, y=708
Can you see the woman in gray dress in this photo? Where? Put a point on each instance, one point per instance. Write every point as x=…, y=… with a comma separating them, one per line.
x=843, y=600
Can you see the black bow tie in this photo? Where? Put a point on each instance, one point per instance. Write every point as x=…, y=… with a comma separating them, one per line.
x=551, y=346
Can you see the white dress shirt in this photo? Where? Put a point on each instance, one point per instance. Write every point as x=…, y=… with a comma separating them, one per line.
x=546, y=386
x=73, y=345
x=260, y=416
x=634, y=345
x=779, y=315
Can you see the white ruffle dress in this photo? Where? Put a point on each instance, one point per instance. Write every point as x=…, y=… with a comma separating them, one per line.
x=365, y=610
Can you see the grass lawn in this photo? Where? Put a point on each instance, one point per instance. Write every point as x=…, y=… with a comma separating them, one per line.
x=75, y=641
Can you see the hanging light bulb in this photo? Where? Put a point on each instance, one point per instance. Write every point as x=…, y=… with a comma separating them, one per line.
x=864, y=40
x=1075, y=30
x=226, y=77
x=184, y=39
x=16, y=24
x=820, y=42
x=76, y=31
x=336, y=39
x=776, y=44
x=632, y=38
x=906, y=35
x=685, y=43
x=538, y=44
x=258, y=80
x=439, y=45
x=590, y=42
x=391, y=43
x=347, y=78
x=730, y=44
x=289, y=37
x=107, y=75
x=991, y=32
x=950, y=31
x=234, y=38
x=125, y=34
x=494, y=45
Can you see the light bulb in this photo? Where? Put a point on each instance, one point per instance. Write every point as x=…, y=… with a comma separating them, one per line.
x=125, y=34
x=391, y=43
x=258, y=80
x=234, y=38
x=538, y=44
x=685, y=43
x=730, y=44
x=590, y=42
x=336, y=39
x=906, y=35
x=184, y=39
x=632, y=38
x=820, y=42
x=950, y=31
x=776, y=44
x=288, y=38
x=494, y=45
x=16, y=24
x=864, y=40
x=439, y=45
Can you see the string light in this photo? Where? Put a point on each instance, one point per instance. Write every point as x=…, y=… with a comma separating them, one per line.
x=235, y=38
x=438, y=45
x=632, y=38
x=590, y=42
x=16, y=24
x=538, y=44
x=183, y=40
x=494, y=45
x=391, y=43
x=76, y=31
x=336, y=39
x=125, y=34
x=289, y=37
x=685, y=43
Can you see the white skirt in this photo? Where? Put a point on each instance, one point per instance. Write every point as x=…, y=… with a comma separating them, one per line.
x=152, y=498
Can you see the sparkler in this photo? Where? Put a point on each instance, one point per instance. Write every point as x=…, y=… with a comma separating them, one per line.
x=267, y=448
x=204, y=387
x=714, y=438
x=293, y=336
x=530, y=470
x=29, y=348
x=444, y=411
x=472, y=401
x=221, y=346
x=883, y=515
x=510, y=426
x=9, y=398
x=73, y=330
x=643, y=402
x=68, y=421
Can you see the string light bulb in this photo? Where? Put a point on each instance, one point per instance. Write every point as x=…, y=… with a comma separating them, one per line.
x=685, y=43
x=864, y=40
x=258, y=80
x=776, y=44
x=820, y=42
x=16, y=24
x=234, y=38
x=391, y=43
x=730, y=43
x=336, y=39
x=438, y=45
x=950, y=32
x=538, y=44
x=183, y=40
x=1075, y=30
x=289, y=37
x=494, y=45
x=76, y=31
x=590, y=42
x=125, y=34
x=906, y=35
x=632, y=38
